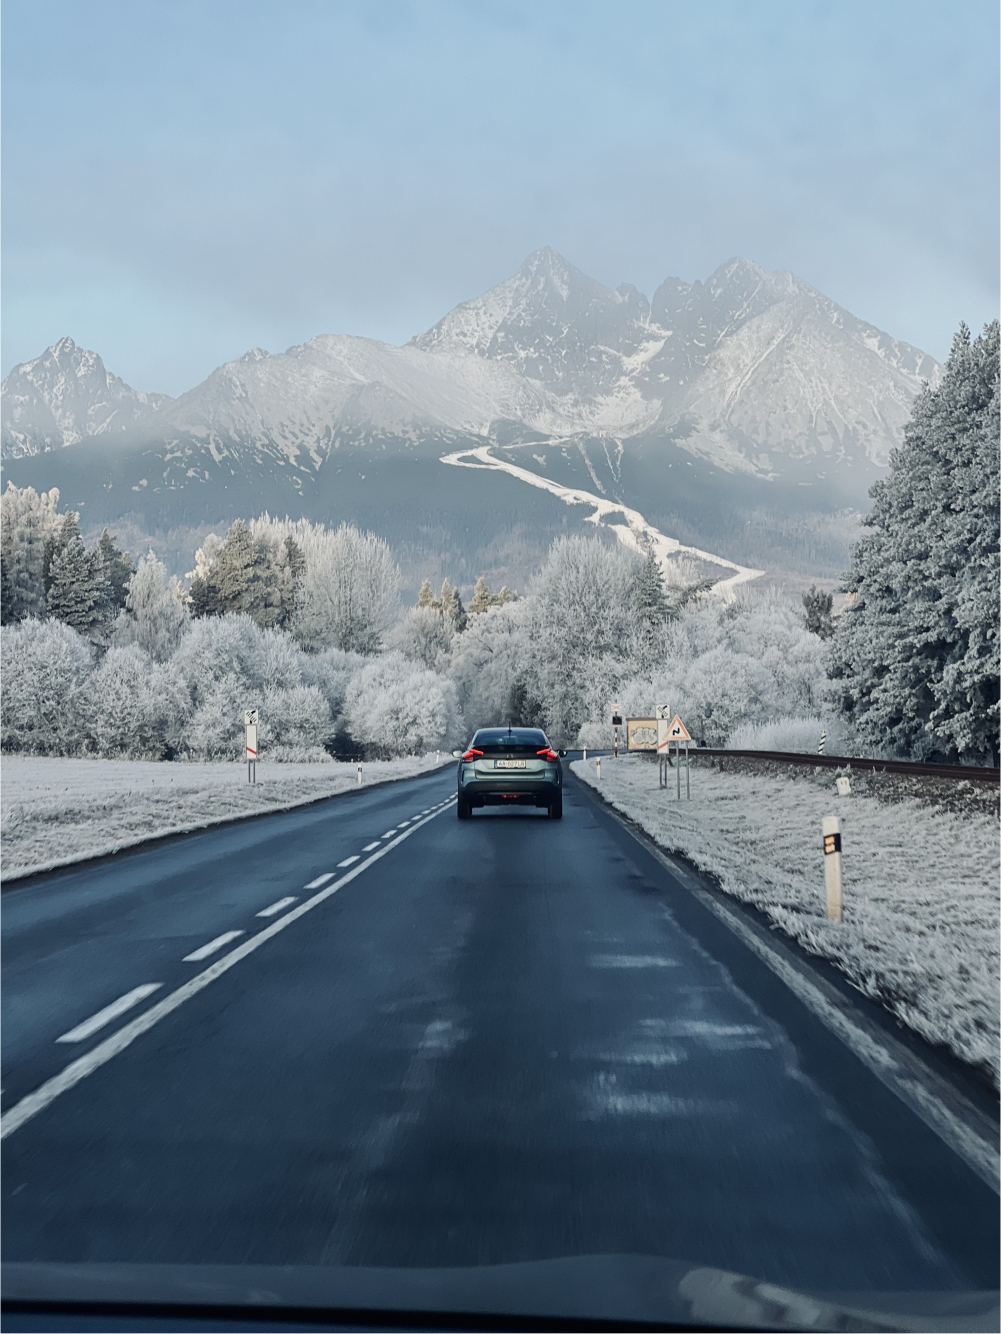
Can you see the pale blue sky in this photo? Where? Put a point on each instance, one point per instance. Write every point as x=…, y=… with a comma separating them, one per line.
x=186, y=180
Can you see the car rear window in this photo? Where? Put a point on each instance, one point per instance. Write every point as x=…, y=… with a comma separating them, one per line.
x=510, y=741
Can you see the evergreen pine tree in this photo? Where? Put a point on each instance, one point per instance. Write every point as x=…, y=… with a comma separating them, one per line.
x=77, y=591
x=652, y=610
x=117, y=569
x=243, y=579
x=482, y=597
x=916, y=652
x=451, y=607
x=819, y=608
x=64, y=534
x=426, y=597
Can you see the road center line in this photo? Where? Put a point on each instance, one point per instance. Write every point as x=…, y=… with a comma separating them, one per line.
x=33, y=1103
x=370, y=847
x=348, y=861
x=277, y=907
x=203, y=952
x=320, y=880
x=110, y=1012
x=389, y=833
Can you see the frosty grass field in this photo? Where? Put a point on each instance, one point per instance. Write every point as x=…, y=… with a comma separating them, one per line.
x=920, y=929
x=58, y=811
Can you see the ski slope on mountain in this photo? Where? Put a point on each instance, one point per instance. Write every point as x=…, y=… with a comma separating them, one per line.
x=634, y=532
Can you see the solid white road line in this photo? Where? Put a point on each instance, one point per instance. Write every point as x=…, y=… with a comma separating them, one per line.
x=320, y=880
x=348, y=861
x=110, y=1012
x=370, y=847
x=277, y=907
x=33, y=1103
x=196, y=956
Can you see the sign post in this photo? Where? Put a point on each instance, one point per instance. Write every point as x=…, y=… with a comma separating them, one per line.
x=616, y=723
x=663, y=712
x=250, y=744
x=831, y=829
x=676, y=734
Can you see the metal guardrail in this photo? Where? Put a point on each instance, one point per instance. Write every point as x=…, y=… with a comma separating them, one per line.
x=968, y=772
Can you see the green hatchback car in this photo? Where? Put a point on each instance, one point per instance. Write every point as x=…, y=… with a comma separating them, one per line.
x=510, y=766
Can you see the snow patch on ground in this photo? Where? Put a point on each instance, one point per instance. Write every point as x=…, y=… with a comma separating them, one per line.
x=920, y=929
x=57, y=811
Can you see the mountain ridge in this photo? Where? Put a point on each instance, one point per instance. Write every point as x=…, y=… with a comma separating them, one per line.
x=736, y=369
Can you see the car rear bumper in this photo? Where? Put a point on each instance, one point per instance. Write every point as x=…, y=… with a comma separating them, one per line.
x=504, y=791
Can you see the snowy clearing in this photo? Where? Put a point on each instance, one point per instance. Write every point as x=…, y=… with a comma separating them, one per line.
x=58, y=811
x=920, y=929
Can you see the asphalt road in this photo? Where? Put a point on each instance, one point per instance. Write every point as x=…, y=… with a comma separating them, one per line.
x=504, y=1039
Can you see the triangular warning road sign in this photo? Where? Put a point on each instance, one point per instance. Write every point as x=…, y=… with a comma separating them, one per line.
x=677, y=731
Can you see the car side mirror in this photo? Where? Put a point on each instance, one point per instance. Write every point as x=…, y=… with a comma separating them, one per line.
x=562, y=754
x=457, y=754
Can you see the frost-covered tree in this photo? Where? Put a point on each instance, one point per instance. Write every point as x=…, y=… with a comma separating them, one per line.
x=482, y=599
x=116, y=570
x=155, y=615
x=915, y=654
x=424, y=636
x=582, y=624
x=218, y=648
x=652, y=611
x=295, y=723
x=819, y=607
x=490, y=660
x=76, y=588
x=244, y=579
x=349, y=592
x=426, y=597
x=727, y=665
x=27, y=522
x=452, y=609
x=395, y=708
x=133, y=707
x=45, y=668
x=347, y=585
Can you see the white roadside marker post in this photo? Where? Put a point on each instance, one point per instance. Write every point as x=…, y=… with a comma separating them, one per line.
x=359, y=775
x=597, y=766
x=250, y=744
x=831, y=828
x=823, y=742
x=585, y=754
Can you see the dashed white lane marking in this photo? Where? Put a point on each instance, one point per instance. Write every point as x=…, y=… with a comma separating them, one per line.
x=277, y=907
x=110, y=1012
x=403, y=823
x=389, y=833
x=320, y=880
x=348, y=861
x=370, y=847
x=33, y=1103
x=196, y=956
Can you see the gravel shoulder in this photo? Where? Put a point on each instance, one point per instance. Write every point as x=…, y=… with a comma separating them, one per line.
x=54, y=812
x=920, y=929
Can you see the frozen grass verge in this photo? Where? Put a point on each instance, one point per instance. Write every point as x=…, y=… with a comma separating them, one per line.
x=920, y=929
x=55, y=812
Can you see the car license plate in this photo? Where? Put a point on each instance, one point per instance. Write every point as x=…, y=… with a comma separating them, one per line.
x=509, y=764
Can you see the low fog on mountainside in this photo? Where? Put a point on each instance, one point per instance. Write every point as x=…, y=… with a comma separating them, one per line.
x=747, y=416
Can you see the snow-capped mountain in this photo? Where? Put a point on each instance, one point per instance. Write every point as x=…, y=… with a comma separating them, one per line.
x=740, y=370
x=63, y=396
x=734, y=369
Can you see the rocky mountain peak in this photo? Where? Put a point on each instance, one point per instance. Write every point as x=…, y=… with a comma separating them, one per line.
x=64, y=395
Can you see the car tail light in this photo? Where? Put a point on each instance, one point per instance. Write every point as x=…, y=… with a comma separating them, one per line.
x=470, y=753
x=548, y=754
